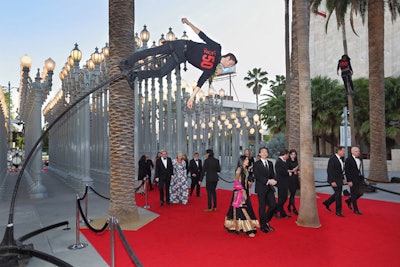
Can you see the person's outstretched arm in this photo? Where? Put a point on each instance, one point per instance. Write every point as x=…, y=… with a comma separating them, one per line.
x=194, y=28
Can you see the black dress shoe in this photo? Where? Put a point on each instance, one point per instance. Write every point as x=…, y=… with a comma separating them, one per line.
x=358, y=212
x=349, y=204
x=162, y=204
x=264, y=230
x=285, y=216
x=269, y=227
x=326, y=205
x=339, y=214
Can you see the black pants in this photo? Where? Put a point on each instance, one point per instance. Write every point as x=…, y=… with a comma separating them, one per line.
x=336, y=197
x=176, y=50
x=266, y=198
x=161, y=185
x=195, y=184
x=347, y=80
x=211, y=194
x=282, y=196
x=355, y=194
x=293, y=186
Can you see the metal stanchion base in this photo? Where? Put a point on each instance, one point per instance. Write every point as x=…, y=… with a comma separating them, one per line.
x=78, y=246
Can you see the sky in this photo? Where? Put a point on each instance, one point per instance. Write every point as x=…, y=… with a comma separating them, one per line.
x=252, y=30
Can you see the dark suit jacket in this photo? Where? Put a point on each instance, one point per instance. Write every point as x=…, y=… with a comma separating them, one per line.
x=193, y=169
x=335, y=172
x=164, y=174
x=211, y=168
x=262, y=174
x=281, y=169
x=351, y=170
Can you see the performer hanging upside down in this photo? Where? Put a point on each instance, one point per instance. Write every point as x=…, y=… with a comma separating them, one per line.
x=204, y=56
x=347, y=72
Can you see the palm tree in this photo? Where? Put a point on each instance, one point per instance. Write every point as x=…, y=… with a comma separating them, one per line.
x=256, y=79
x=326, y=96
x=340, y=10
x=308, y=215
x=293, y=120
x=273, y=107
x=376, y=22
x=288, y=78
x=121, y=109
x=392, y=95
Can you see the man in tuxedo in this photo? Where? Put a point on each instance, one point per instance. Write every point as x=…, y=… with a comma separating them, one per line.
x=264, y=176
x=353, y=171
x=335, y=179
x=195, y=168
x=282, y=177
x=211, y=168
x=163, y=175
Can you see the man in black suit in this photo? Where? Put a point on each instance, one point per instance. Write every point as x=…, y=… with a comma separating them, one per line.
x=163, y=175
x=282, y=177
x=211, y=168
x=353, y=171
x=335, y=179
x=195, y=168
x=264, y=176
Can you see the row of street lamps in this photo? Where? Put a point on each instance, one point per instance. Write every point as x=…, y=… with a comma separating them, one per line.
x=79, y=147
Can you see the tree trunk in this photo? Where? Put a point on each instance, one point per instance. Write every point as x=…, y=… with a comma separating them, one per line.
x=350, y=100
x=378, y=167
x=308, y=215
x=288, y=78
x=121, y=108
x=294, y=117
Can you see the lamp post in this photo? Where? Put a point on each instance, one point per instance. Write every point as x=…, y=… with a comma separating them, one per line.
x=243, y=116
x=9, y=141
x=31, y=104
x=256, y=120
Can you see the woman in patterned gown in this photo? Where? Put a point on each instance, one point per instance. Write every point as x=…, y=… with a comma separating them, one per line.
x=179, y=184
x=240, y=216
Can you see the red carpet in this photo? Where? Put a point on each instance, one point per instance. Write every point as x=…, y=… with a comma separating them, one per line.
x=185, y=235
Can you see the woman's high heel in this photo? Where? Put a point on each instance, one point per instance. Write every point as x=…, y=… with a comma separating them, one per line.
x=289, y=208
x=295, y=211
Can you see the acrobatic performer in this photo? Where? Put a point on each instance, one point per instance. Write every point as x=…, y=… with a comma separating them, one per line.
x=346, y=71
x=204, y=56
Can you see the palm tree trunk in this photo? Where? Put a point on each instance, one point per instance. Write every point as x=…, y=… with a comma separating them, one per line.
x=308, y=215
x=121, y=108
x=378, y=167
x=288, y=79
x=350, y=101
x=294, y=117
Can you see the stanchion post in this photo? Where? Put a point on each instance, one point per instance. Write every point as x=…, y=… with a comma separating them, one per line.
x=87, y=204
x=146, y=206
x=78, y=244
x=112, y=241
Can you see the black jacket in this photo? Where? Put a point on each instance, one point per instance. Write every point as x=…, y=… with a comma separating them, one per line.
x=211, y=168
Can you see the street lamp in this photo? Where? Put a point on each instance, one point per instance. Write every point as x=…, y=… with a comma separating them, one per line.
x=30, y=106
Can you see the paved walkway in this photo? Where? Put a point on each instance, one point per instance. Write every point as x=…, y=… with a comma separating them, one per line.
x=60, y=205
